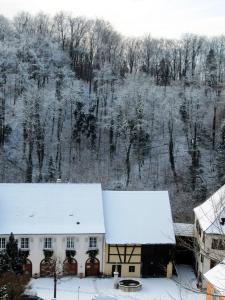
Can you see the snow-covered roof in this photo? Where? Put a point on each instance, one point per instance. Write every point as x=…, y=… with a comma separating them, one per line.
x=216, y=276
x=51, y=208
x=211, y=211
x=104, y=297
x=183, y=229
x=138, y=217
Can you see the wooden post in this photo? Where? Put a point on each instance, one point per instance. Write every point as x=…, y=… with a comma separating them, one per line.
x=169, y=270
x=55, y=285
x=78, y=293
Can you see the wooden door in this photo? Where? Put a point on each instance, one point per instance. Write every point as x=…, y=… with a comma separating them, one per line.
x=92, y=267
x=27, y=267
x=47, y=267
x=70, y=267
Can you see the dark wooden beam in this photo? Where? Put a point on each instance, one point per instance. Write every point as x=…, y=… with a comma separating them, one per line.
x=109, y=253
x=118, y=253
x=131, y=253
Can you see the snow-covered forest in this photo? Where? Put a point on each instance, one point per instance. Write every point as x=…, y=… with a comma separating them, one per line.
x=80, y=102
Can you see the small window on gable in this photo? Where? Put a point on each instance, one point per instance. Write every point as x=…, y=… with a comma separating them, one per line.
x=131, y=269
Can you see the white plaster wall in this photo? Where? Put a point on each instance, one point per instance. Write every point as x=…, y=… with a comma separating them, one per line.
x=207, y=251
x=59, y=248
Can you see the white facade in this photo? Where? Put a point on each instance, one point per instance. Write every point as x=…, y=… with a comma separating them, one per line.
x=207, y=255
x=209, y=230
x=56, y=212
x=59, y=247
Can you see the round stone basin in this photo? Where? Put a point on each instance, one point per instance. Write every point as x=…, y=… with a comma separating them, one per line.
x=129, y=285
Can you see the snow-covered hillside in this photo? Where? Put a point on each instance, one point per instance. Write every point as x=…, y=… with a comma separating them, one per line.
x=80, y=102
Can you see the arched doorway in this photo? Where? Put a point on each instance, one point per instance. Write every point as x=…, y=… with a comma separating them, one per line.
x=47, y=267
x=70, y=267
x=92, y=267
x=27, y=267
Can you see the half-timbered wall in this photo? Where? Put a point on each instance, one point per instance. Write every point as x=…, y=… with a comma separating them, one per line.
x=128, y=257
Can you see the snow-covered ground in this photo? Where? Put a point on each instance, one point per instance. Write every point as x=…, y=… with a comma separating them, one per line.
x=72, y=288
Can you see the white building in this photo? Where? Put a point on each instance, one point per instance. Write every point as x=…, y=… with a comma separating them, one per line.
x=216, y=282
x=209, y=230
x=53, y=218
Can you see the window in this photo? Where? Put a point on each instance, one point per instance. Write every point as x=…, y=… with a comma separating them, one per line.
x=203, y=238
x=92, y=242
x=24, y=243
x=70, y=243
x=202, y=258
x=118, y=268
x=218, y=244
x=131, y=269
x=2, y=243
x=213, y=263
x=48, y=243
x=198, y=228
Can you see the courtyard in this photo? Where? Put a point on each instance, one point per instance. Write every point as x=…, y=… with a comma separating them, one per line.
x=181, y=287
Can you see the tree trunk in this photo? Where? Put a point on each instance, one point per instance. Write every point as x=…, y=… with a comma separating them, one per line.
x=214, y=128
x=171, y=149
x=128, y=163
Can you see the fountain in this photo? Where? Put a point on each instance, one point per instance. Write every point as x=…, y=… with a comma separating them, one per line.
x=129, y=285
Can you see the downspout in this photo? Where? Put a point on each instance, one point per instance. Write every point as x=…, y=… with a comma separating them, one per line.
x=103, y=253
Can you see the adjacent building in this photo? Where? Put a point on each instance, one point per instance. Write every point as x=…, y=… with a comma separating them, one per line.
x=139, y=237
x=209, y=230
x=184, y=234
x=215, y=282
